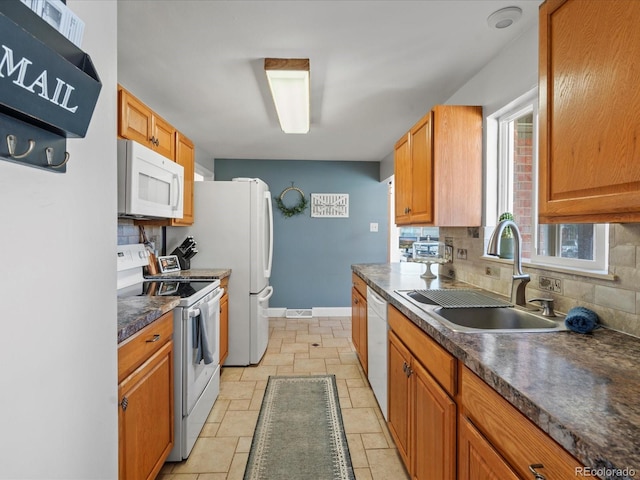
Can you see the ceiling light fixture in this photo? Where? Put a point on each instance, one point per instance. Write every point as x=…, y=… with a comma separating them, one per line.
x=289, y=83
x=505, y=17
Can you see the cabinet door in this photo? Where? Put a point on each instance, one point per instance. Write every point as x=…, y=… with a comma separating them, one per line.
x=520, y=442
x=399, y=397
x=224, y=327
x=363, y=343
x=478, y=460
x=145, y=417
x=588, y=140
x=402, y=180
x=355, y=318
x=422, y=171
x=457, y=165
x=164, y=137
x=134, y=118
x=185, y=156
x=434, y=434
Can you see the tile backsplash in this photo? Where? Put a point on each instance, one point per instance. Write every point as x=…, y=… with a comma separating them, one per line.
x=129, y=233
x=614, y=297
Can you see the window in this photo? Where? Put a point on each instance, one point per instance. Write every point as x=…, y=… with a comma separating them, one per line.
x=582, y=246
x=408, y=235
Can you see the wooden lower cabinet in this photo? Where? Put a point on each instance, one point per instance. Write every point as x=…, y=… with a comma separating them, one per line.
x=399, y=397
x=477, y=459
x=422, y=415
x=145, y=392
x=224, y=321
x=496, y=438
x=434, y=437
x=359, y=326
x=447, y=423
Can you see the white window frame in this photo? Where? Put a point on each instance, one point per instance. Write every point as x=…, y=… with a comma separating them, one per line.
x=504, y=196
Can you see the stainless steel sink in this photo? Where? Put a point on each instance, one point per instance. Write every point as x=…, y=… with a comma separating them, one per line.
x=485, y=319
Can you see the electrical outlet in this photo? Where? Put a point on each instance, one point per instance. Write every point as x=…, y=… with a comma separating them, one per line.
x=550, y=284
x=373, y=227
x=461, y=253
x=491, y=272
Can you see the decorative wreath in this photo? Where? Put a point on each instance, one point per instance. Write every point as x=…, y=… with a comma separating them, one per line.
x=295, y=210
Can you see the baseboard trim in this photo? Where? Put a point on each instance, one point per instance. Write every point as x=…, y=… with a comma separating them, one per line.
x=316, y=312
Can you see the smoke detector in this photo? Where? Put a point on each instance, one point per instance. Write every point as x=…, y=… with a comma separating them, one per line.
x=505, y=17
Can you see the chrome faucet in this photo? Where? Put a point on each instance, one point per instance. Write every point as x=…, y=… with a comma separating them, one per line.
x=519, y=280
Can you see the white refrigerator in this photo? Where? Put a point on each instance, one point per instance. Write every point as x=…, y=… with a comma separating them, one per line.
x=233, y=229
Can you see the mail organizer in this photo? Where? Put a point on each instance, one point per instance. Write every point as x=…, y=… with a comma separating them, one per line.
x=48, y=89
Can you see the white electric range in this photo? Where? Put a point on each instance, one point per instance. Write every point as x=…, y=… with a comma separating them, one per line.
x=196, y=342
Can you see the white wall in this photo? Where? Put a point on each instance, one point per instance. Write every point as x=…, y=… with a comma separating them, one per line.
x=513, y=72
x=58, y=351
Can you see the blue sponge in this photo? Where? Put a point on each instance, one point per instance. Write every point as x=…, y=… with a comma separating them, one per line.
x=581, y=320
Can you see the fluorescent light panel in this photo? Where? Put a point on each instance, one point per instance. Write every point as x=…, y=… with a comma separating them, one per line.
x=289, y=83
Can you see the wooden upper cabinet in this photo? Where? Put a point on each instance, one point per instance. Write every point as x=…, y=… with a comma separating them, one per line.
x=138, y=122
x=589, y=151
x=438, y=169
x=402, y=174
x=185, y=156
x=163, y=137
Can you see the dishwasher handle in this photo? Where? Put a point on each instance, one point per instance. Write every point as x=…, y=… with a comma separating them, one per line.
x=375, y=297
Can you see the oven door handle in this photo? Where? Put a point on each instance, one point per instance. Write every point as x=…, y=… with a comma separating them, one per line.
x=218, y=296
x=195, y=312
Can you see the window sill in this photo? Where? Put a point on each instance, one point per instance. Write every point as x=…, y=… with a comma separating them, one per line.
x=599, y=274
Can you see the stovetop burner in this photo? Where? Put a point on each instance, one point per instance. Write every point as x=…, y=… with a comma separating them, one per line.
x=131, y=283
x=177, y=288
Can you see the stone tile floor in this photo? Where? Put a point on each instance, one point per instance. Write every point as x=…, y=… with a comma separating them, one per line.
x=320, y=345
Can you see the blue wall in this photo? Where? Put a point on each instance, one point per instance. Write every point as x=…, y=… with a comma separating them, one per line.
x=313, y=256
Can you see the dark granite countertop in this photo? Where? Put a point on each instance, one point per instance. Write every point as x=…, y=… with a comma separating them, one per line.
x=135, y=313
x=582, y=390
x=195, y=274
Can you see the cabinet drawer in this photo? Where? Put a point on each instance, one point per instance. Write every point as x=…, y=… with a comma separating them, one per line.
x=135, y=350
x=513, y=435
x=440, y=363
x=359, y=284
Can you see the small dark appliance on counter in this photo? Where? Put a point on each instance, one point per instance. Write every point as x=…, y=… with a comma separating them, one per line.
x=185, y=252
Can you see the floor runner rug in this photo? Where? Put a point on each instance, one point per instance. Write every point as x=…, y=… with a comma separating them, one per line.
x=300, y=434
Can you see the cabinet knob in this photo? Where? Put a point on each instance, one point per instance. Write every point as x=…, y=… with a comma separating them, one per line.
x=536, y=475
x=124, y=403
x=155, y=338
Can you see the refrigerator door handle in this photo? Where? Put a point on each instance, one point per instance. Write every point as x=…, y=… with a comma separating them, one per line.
x=267, y=295
x=267, y=272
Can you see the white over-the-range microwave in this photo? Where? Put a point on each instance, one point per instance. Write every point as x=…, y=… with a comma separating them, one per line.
x=149, y=184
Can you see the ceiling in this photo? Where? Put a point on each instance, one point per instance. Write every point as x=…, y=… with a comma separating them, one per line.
x=376, y=67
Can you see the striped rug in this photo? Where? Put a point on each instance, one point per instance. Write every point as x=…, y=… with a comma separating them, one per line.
x=300, y=434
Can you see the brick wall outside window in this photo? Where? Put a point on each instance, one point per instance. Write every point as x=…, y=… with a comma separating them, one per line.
x=523, y=180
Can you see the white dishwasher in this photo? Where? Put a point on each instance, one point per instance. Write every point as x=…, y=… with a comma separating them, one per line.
x=377, y=328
